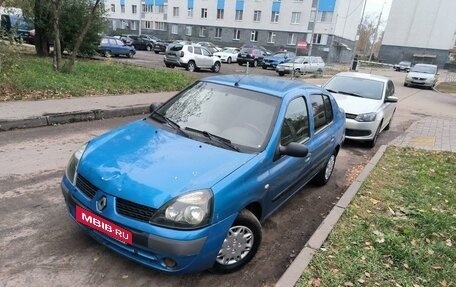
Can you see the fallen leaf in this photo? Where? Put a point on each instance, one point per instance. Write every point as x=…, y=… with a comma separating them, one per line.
x=443, y=283
x=437, y=267
x=367, y=274
x=361, y=280
x=406, y=266
x=349, y=284
x=316, y=282
x=448, y=242
x=413, y=242
x=430, y=252
x=374, y=201
x=124, y=276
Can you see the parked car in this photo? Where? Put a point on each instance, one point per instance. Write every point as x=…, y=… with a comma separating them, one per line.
x=191, y=57
x=301, y=65
x=369, y=102
x=403, y=66
x=110, y=46
x=277, y=58
x=149, y=38
x=139, y=43
x=252, y=56
x=210, y=46
x=228, y=54
x=186, y=189
x=423, y=75
x=17, y=27
x=160, y=46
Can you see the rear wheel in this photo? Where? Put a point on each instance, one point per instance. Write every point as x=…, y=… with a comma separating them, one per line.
x=239, y=63
x=281, y=74
x=149, y=48
x=325, y=173
x=240, y=245
x=191, y=66
x=255, y=63
x=107, y=54
x=156, y=52
x=264, y=67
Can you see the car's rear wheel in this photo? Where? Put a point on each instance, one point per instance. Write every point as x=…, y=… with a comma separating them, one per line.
x=240, y=245
x=296, y=73
x=281, y=74
x=107, y=54
x=149, y=48
x=216, y=67
x=239, y=63
x=255, y=63
x=405, y=84
x=325, y=173
x=228, y=61
x=169, y=66
x=191, y=66
x=264, y=67
x=130, y=54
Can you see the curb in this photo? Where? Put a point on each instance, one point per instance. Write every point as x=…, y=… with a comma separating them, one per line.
x=297, y=267
x=71, y=117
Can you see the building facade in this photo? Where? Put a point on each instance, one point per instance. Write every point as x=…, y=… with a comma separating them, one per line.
x=330, y=25
x=419, y=31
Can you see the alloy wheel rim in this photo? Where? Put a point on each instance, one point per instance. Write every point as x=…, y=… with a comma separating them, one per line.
x=236, y=246
x=330, y=167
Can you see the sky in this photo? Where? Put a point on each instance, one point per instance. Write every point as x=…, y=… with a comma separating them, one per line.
x=374, y=7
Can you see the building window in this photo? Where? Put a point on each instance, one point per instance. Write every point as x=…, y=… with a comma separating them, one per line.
x=204, y=13
x=324, y=16
x=218, y=32
x=114, y=25
x=316, y=39
x=190, y=12
x=147, y=24
x=134, y=9
x=312, y=16
x=188, y=30
x=291, y=39
x=113, y=8
x=203, y=31
x=239, y=14
x=176, y=11
x=295, y=17
x=314, y=3
x=122, y=8
x=257, y=16
x=271, y=37
x=161, y=9
x=133, y=25
x=275, y=17
x=123, y=24
x=254, y=36
x=147, y=8
x=237, y=34
x=174, y=29
x=160, y=26
x=220, y=13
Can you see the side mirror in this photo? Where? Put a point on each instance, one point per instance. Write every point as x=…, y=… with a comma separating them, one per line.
x=153, y=107
x=294, y=149
x=391, y=99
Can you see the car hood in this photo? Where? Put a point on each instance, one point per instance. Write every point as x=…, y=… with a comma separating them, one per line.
x=222, y=54
x=356, y=105
x=145, y=164
x=421, y=75
x=290, y=65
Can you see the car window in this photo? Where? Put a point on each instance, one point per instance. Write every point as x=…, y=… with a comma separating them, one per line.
x=365, y=88
x=104, y=41
x=120, y=43
x=295, y=127
x=205, y=52
x=198, y=51
x=176, y=47
x=322, y=111
x=190, y=49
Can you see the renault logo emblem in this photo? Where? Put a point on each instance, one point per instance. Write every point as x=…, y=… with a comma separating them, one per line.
x=101, y=203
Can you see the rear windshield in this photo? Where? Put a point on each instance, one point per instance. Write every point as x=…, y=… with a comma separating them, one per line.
x=176, y=47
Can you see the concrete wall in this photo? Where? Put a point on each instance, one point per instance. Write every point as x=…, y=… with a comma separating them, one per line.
x=394, y=54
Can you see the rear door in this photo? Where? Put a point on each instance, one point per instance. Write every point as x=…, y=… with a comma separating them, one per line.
x=206, y=58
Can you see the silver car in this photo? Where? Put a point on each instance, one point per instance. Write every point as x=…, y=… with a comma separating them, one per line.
x=369, y=103
x=423, y=75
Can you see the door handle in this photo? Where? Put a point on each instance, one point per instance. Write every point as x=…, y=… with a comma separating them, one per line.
x=308, y=157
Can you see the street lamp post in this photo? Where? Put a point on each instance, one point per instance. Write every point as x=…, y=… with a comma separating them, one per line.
x=313, y=29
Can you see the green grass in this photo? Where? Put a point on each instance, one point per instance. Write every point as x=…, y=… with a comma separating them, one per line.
x=33, y=78
x=400, y=230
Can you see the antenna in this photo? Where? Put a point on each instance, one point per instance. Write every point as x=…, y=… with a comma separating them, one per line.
x=240, y=79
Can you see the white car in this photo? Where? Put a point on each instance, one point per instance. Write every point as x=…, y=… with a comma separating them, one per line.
x=301, y=65
x=191, y=57
x=423, y=75
x=369, y=103
x=228, y=55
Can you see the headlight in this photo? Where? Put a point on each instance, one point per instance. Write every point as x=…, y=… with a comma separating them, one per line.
x=368, y=117
x=73, y=163
x=188, y=211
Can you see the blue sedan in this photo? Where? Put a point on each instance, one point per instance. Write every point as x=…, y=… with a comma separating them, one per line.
x=187, y=188
x=110, y=46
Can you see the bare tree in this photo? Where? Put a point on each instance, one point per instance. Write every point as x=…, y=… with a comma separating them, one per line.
x=57, y=62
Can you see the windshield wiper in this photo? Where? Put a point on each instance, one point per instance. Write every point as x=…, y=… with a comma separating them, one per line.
x=212, y=137
x=350, y=94
x=171, y=123
x=332, y=91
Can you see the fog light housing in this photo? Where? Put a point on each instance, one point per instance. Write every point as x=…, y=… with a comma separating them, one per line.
x=170, y=263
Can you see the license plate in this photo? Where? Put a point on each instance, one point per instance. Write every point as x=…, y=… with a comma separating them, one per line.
x=96, y=222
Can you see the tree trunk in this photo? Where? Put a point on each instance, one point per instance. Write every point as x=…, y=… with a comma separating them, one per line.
x=41, y=38
x=81, y=36
x=57, y=63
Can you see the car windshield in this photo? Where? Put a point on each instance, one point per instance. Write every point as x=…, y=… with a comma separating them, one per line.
x=242, y=117
x=19, y=23
x=229, y=50
x=424, y=69
x=361, y=87
x=405, y=63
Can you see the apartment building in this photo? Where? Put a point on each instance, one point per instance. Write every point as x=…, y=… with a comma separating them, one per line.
x=329, y=25
x=420, y=31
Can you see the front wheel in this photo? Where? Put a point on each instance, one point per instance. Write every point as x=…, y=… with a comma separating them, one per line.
x=239, y=63
x=216, y=67
x=130, y=54
x=255, y=63
x=325, y=173
x=240, y=245
x=148, y=48
x=228, y=61
x=156, y=52
x=373, y=141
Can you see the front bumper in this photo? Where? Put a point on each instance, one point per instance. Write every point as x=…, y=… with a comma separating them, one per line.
x=362, y=131
x=153, y=246
x=421, y=83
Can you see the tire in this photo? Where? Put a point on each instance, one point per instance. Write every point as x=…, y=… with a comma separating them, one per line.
x=228, y=61
x=157, y=52
x=388, y=126
x=255, y=63
x=239, y=63
x=169, y=66
x=296, y=73
x=130, y=55
x=405, y=84
x=148, y=48
x=216, y=67
x=325, y=173
x=191, y=66
x=246, y=234
x=107, y=54
x=281, y=74
x=373, y=141
x=264, y=67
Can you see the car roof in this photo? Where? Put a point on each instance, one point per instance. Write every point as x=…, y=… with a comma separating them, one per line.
x=266, y=84
x=363, y=76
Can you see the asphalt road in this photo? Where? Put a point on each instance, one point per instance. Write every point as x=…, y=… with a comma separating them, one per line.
x=41, y=246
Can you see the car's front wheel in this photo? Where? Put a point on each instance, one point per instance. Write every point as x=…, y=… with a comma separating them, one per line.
x=156, y=52
x=228, y=61
x=373, y=141
x=148, y=48
x=325, y=173
x=130, y=54
x=216, y=67
x=240, y=245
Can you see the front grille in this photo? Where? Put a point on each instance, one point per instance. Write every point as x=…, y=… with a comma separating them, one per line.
x=134, y=210
x=350, y=116
x=85, y=186
x=356, y=133
x=417, y=78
